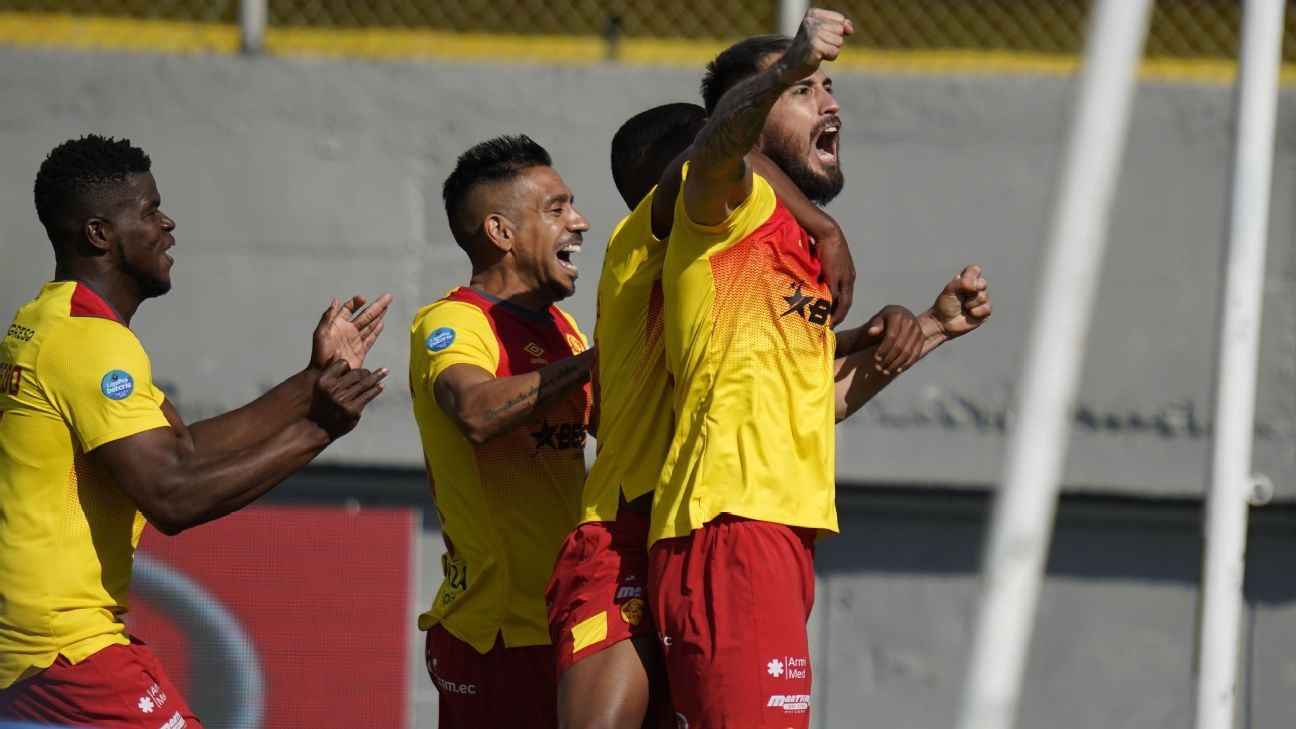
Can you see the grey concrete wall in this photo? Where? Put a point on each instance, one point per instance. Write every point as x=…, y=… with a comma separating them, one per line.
x=295, y=181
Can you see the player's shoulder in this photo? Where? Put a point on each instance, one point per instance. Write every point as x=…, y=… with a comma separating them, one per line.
x=452, y=309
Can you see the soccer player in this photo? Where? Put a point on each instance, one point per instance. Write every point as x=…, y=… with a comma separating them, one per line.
x=606, y=650
x=748, y=481
x=90, y=448
x=499, y=379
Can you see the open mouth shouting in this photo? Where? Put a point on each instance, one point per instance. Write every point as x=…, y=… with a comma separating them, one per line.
x=573, y=245
x=825, y=140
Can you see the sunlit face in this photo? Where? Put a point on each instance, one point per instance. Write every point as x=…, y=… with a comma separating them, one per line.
x=143, y=234
x=801, y=136
x=549, y=230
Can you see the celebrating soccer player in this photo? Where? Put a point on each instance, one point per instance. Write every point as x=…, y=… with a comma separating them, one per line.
x=759, y=380
x=498, y=375
x=90, y=448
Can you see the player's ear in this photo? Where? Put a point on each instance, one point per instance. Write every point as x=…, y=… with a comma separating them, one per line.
x=98, y=233
x=500, y=232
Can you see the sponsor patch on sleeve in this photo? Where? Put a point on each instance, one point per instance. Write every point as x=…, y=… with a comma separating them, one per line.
x=117, y=385
x=439, y=339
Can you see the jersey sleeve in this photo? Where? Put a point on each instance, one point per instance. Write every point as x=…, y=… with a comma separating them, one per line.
x=450, y=333
x=98, y=377
x=698, y=240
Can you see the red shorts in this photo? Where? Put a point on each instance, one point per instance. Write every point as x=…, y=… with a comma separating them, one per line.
x=119, y=687
x=504, y=688
x=731, y=602
x=596, y=595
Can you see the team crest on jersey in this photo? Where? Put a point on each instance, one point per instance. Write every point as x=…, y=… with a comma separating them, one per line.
x=577, y=346
x=439, y=339
x=117, y=385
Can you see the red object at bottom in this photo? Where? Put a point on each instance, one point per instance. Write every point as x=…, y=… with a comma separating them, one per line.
x=731, y=601
x=120, y=687
x=504, y=688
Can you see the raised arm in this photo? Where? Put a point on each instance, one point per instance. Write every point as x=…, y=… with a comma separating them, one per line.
x=483, y=406
x=719, y=176
x=178, y=481
x=872, y=356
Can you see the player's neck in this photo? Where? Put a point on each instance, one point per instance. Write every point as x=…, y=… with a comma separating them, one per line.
x=505, y=286
x=120, y=292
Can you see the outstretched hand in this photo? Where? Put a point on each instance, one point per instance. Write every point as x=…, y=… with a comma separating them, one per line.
x=820, y=38
x=344, y=334
x=964, y=303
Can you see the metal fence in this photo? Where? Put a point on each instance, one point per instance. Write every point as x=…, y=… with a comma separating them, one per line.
x=660, y=30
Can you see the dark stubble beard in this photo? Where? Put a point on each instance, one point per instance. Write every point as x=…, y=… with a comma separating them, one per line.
x=150, y=284
x=820, y=188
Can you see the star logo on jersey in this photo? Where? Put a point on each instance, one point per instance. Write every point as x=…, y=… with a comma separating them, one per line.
x=774, y=667
x=146, y=705
x=558, y=436
x=812, y=308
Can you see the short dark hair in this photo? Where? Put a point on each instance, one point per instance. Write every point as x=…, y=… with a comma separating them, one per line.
x=80, y=173
x=493, y=160
x=646, y=144
x=737, y=63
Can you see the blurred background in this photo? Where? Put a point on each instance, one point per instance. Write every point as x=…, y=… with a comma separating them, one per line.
x=301, y=146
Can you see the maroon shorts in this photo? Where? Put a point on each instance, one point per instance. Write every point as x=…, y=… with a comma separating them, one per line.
x=501, y=689
x=731, y=602
x=119, y=687
x=596, y=595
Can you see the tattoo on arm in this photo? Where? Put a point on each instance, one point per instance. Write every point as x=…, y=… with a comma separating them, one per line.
x=572, y=372
x=736, y=124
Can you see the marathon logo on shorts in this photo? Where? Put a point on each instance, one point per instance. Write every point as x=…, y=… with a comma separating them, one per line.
x=626, y=591
x=117, y=385
x=175, y=722
x=790, y=703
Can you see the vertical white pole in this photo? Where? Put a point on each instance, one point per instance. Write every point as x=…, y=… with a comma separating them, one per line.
x=252, y=24
x=790, y=14
x=1225, y=526
x=1022, y=523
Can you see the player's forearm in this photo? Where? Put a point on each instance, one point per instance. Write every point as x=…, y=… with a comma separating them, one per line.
x=259, y=419
x=206, y=486
x=735, y=125
x=934, y=334
x=856, y=381
x=498, y=406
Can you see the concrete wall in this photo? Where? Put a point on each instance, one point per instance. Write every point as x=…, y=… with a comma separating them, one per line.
x=295, y=181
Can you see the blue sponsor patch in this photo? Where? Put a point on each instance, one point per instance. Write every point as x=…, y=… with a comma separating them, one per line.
x=117, y=385
x=440, y=339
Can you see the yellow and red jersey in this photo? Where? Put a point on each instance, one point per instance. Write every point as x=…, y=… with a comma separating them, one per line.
x=749, y=344
x=635, y=418
x=506, y=505
x=72, y=378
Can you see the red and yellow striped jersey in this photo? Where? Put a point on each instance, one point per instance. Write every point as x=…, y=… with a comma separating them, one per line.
x=749, y=345
x=505, y=505
x=72, y=378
